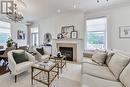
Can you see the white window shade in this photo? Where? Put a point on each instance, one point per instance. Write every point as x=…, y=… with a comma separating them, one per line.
x=5, y=25
x=96, y=34
x=96, y=24
x=3, y=30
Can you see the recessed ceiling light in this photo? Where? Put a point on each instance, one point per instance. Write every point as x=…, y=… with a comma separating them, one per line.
x=59, y=10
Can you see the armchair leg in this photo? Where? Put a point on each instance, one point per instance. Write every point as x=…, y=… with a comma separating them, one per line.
x=10, y=71
x=15, y=78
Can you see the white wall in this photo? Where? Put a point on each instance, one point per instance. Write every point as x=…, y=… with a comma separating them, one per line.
x=53, y=24
x=14, y=28
x=116, y=17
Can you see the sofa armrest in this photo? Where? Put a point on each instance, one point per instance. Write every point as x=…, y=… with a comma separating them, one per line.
x=12, y=63
x=46, y=53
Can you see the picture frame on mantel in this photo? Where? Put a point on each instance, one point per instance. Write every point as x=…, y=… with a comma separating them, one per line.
x=66, y=31
x=124, y=31
x=74, y=34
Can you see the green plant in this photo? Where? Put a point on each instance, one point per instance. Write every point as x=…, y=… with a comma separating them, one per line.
x=9, y=42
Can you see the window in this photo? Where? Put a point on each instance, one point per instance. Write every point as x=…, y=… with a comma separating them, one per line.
x=35, y=36
x=5, y=32
x=96, y=34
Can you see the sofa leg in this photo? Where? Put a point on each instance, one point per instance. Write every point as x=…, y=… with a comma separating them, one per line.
x=15, y=78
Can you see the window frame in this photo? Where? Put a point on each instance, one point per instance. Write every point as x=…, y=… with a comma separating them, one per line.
x=35, y=35
x=105, y=33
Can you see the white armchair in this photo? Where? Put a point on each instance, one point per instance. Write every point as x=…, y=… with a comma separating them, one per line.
x=20, y=67
x=40, y=57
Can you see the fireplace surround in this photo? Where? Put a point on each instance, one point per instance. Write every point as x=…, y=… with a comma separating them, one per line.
x=72, y=50
x=76, y=44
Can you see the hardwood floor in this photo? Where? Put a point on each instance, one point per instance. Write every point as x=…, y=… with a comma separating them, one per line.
x=3, y=67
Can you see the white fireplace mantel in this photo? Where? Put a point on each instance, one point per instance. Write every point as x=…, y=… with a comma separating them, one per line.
x=78, y=42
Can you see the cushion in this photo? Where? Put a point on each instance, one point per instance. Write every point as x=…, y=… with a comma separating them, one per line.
x=91, y=81
x=88, y=60
x=117, y=63
x=45, y=57
x=19, y=57
x=125, y=76
x=40, y=50
x=98, y=71
x=109, y=55
x=99, y=57
x=21, y=67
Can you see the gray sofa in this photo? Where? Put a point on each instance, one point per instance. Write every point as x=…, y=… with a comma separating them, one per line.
x=114, y=73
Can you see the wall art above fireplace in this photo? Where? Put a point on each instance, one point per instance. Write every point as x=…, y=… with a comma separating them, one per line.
x=66, y=31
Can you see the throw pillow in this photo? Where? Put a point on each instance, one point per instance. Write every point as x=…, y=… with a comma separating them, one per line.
x=117, y=63
x=100, y=50
x=20, y=57
x=99, y=57
x=40, y=50
x=109, y=55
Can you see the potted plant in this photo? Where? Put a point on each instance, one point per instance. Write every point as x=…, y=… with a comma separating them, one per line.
x=9, y=42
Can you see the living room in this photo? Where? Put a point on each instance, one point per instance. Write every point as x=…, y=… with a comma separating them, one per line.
x=73, y=30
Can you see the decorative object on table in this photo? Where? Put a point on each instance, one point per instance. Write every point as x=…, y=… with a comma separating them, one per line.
x=9, y=42
x=74, y=34
x=59, y=36
x=20, y=35
x=124, y=31
x=47, y=38
x=66, y=31
x=59, y=54
x=11, y=9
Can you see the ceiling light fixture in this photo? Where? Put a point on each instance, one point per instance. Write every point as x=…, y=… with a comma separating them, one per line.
x=10, y=8
x=98, y=1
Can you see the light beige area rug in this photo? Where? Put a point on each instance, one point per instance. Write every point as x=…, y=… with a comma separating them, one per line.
x=69, y=78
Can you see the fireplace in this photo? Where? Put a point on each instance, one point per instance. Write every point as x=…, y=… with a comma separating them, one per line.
x=76, y=44
x=68, y=52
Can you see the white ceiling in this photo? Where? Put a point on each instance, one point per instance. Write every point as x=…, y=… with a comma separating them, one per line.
x=45, y=8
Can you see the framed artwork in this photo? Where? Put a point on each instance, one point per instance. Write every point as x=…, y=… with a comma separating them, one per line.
x=74, y=34
x=20, y=35
x=66, y=31
x=124, y=31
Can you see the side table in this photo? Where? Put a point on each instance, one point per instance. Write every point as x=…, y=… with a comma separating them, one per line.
x=61, y=60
